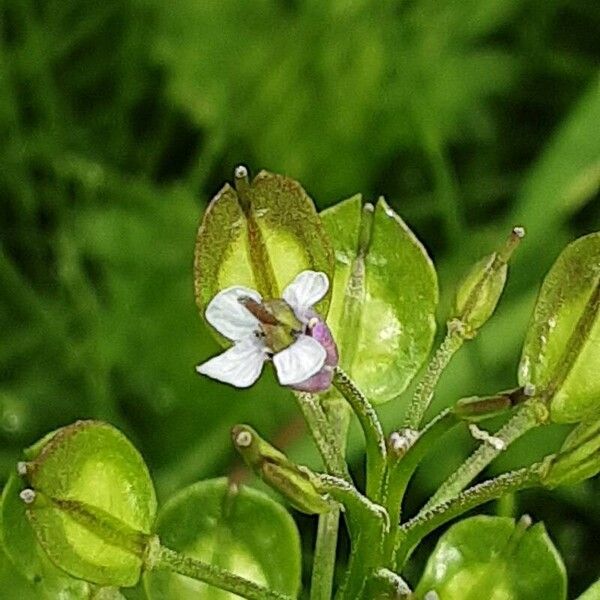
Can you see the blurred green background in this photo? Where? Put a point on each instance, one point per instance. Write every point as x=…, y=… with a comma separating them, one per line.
x=120, y=119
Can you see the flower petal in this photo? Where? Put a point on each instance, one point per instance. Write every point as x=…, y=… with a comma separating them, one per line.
x=239, y=366
x=298, y=362
x=305, y=291
x=229, y=317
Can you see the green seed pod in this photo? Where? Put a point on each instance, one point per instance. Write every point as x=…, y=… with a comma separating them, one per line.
x=293, y=482
x=561, y=353
x=480, y=291
x=478, y=408
x=90, y=502
x=260, y=234
x=578, y=458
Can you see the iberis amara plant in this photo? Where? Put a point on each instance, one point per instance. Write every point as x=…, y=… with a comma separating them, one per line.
x=341, y=306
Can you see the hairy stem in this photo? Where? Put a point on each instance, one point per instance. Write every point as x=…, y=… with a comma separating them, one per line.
x=426, y=387
x=429, y=519
x=372, y=430
x=321, y=583
x=402, y=468
x=367, y=524
x=324, y=560
x=527, y=417
x=215, y=576
x=328, y=445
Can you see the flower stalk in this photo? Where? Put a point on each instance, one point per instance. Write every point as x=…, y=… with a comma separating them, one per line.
x=214, y=575
x=529, y=415
x=429, y=519
x=372, y=430
x=423, y=395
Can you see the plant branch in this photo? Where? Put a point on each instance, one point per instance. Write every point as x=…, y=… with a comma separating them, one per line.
x=322, y=434
x=321, y=583
x=426, y=387
x=527, y=417
x=324, y=560
x=215, y=576
x=429, y=519
x=402, y=467
x=367, y=524
x=372, y=430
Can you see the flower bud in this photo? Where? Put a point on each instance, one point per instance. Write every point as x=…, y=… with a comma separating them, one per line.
x=293, y=482
x=91, y=502
x=480, y=291
x=579, y=457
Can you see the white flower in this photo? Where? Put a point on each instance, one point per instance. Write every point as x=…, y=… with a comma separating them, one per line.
x=241, y=365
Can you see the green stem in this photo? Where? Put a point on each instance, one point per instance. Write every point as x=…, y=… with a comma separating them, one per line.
x=324, y=560
x=402, y=468
x=321, y=431
x=429, y=519
x=527, y=417
x=426, y=387
x=321, y=583
x=373, y=432
x=367, y=524
x=215, y=576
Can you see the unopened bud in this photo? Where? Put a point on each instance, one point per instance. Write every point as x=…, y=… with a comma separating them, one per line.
x=292, y=481
x=480, y=291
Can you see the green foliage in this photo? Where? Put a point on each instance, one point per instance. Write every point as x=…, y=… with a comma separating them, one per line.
x=236, y=528
x=561, y=354
x=494, y=557
x=384, y=297
x=120, y=119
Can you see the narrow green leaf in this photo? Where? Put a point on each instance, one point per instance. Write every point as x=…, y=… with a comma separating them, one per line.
x=494, y=557
x=241, y=530
x=86, y=471
x=384, y=297
x=273, y=227
x=561, y=354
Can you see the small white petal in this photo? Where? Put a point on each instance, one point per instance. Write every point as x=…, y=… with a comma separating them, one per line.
x=231, y=318
x=305, y=291
x=301, y=360
x=239, y=366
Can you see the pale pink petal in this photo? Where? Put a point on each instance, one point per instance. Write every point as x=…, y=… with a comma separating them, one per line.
x=301, y=360
x=305, y=291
